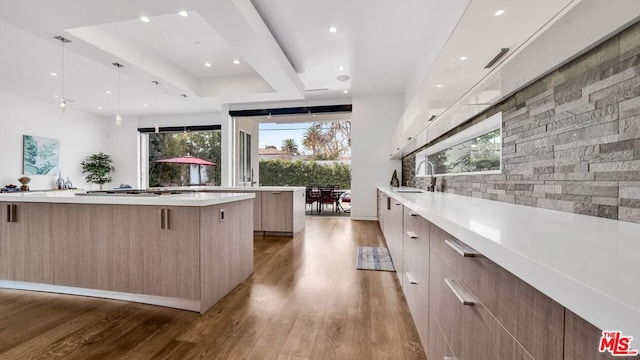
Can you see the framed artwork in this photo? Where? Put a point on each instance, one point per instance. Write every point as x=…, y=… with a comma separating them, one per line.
x=40, y=155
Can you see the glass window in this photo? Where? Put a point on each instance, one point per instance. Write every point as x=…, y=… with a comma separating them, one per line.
x=475, y=149
x=244, y=158
x=204, y=145
x=478, y=154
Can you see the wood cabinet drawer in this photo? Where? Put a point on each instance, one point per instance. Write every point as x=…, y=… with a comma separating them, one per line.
x=437, y=347
x=419, y=308
x=471, y=330
x=582, y=340
x=416, y=252
x=277, y=211
x=530, y=316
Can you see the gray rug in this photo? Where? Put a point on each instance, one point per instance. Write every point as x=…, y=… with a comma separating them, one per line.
x=374, y=258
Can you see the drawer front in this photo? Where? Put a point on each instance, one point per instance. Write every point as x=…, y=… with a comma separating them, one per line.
x=530, y=316
x=582, y=340
x=419, y=309
x=416, y=255
x=437, y=347
x=471, y=330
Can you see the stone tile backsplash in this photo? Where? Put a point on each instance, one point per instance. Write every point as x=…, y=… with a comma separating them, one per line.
x=571, y=140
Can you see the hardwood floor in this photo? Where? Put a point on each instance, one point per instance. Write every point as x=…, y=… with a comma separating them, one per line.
x=305, y=300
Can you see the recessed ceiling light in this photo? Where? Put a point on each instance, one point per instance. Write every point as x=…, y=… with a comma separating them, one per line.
x=499, y=12
x=343, y=77
x=55, y=96
x=439, y=85
x=207, y=64
x=145, y=105
x=236, y=61
x=53, y=74
x=144, y=19
x=345, y=91
x=197, y=43
x=183, y=13
x=108, y=92
x=333, y=29
x=340, y=68
x=463, y=58
x=99, y=107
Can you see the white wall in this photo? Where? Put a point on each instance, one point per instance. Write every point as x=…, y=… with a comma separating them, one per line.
x=123, y=146
x=372, y=122
x=80, y=134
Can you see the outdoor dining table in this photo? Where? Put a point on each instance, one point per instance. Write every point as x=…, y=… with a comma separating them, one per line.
x=337, y=193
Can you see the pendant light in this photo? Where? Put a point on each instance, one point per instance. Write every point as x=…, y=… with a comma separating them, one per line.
x=157, y=128
x=63, y=100
x=118, y=117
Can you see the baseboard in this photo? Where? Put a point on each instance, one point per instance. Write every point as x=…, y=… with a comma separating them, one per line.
x=177, y=303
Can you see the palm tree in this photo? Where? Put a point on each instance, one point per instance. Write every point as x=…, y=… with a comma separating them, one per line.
x=314, y=139
x=290, y=146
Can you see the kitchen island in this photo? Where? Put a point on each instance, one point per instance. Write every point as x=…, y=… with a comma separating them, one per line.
x=184, y=251
x=278, y=210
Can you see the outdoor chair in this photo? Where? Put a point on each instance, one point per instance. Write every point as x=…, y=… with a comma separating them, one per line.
x=327, y=197
x=312, y=197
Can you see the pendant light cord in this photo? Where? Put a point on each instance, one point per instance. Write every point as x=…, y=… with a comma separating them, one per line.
x=62, y=41
x=118, y=86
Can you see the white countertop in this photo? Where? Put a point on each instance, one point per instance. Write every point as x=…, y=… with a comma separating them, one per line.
x=233, y=188
x=68, y=197
x=588, y=264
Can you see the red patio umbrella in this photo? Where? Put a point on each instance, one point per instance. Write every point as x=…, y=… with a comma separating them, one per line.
x=190, y=160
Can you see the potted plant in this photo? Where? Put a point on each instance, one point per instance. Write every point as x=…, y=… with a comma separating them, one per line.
x=98, y=167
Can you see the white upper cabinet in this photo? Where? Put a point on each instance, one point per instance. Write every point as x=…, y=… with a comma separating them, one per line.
x=539, y=35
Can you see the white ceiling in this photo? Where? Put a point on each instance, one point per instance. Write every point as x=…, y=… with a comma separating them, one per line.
x=283, y=47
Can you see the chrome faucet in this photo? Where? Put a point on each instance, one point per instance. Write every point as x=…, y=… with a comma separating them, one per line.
x=431, y=185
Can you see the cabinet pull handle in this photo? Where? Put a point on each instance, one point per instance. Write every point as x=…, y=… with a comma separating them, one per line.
x=461, y=249
x=412, y=234
x=9, y=217
x=464, y=295
x=411, y=213
x=168, y=221
x=398, y=204
x=162, y=219
x=411, y=279
x=14, y=213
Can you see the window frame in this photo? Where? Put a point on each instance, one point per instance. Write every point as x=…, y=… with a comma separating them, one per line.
x=488, y=125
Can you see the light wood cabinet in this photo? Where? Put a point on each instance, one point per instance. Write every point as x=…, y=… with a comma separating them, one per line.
x=382, y=206
x=277, y=211
x=502, y=317
x=469, y=328
x=24, y=239
x=583, y=339
x=393, y=235
x=415, y=264
x=436, y=345
x=135, y=249
x=188, y=256
x=530, y=316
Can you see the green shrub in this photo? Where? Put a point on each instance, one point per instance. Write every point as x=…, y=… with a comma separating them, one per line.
x=302, y=173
